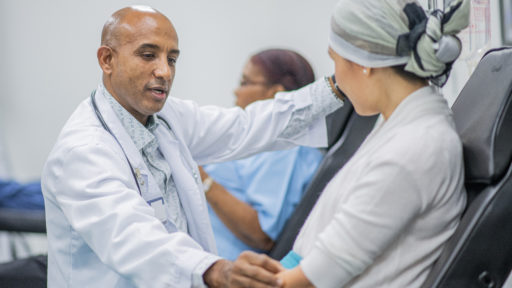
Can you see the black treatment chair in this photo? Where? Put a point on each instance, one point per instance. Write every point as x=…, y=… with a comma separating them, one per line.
x=343, y=144
x=480, y=252
x=336, y=123
x=17, y=220
x=27, y=272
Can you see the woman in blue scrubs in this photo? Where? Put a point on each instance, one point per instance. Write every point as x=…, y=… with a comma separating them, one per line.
x=251, y=199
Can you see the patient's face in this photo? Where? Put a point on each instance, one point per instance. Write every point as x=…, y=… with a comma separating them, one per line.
x=351, y=81
x=253, y=86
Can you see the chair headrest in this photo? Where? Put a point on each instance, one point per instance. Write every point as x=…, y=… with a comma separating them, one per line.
x=483, y=117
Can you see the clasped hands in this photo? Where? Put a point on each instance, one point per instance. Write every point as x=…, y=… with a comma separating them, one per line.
x=248, y=270
x=251, y=269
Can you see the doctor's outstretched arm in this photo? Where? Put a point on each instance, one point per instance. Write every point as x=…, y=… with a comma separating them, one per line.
x=292, y=118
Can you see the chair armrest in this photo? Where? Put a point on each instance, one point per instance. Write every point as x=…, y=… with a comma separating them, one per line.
x=19, y=220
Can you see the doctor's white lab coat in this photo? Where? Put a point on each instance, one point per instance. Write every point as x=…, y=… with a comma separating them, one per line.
x=102, y=232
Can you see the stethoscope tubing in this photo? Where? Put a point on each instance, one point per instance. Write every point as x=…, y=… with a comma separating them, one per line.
x=105, y=126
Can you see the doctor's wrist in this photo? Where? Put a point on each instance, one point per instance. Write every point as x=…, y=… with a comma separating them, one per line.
x=218, y=274
x=335, y=88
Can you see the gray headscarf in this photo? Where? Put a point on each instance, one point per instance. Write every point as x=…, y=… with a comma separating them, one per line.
x=383, y=33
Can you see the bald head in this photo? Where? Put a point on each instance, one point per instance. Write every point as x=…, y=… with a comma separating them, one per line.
x=138, y=53
x=125, y=21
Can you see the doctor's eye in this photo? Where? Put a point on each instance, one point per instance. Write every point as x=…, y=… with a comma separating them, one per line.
x=147, y=56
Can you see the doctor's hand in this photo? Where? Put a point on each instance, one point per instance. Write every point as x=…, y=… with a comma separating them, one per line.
x=249, y=270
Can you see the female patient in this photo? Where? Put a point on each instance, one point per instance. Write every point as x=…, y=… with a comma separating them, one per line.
x=383, y=219
x=251, y=199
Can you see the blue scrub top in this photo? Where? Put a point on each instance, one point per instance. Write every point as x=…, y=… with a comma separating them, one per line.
x=271, y=182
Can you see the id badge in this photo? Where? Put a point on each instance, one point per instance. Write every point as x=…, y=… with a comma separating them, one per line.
x=158, y=206
x=142, y=180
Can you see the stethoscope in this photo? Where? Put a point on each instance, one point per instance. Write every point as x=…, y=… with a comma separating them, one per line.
x=104, y=124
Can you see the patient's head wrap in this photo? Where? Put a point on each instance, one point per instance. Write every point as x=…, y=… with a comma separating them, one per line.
x=383, y=33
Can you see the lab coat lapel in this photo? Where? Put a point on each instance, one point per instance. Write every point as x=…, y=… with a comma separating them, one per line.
x=183, y=169
x=151, y=188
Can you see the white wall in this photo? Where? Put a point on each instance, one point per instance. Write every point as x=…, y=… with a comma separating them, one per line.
x=48, y=62
x=463, y=67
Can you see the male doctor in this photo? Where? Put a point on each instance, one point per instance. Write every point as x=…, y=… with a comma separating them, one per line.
x=123, y=196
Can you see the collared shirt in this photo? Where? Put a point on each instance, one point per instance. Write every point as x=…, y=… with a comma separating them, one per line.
x=148, y=146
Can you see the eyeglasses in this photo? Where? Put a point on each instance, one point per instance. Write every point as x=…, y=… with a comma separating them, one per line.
x=247, y=82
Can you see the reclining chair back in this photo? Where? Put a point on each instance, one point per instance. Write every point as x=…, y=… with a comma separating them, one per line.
x=354, y=132
x=336, y=123
x=479, y=254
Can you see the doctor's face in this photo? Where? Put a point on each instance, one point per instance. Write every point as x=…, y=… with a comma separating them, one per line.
x=143, y=63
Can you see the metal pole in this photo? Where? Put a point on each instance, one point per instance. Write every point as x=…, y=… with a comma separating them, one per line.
x=432, y=5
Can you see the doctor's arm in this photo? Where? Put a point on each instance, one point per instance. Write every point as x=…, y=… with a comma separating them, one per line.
x=293, y=118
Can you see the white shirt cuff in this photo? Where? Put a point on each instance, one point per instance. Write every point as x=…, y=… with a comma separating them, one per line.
x=323, y=271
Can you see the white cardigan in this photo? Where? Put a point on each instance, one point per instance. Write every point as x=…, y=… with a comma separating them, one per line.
x=383, y=219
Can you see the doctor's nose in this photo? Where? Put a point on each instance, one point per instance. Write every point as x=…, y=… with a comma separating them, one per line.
x=162, y=69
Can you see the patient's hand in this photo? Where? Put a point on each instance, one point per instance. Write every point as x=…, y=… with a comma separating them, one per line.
x=294, y=278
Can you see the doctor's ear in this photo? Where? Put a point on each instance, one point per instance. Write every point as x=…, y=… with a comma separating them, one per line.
x=104, y=55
